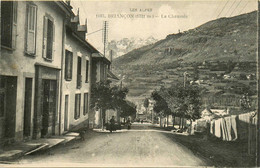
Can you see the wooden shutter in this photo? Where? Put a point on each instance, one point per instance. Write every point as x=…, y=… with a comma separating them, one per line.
x=45, y=29
x=68, y=65
x=77, y=106
x=31, y=29
x=53, y=40
x=6, y=23
x=14, y=31
x=85, y=103
x=87, y=66
x=49, y=39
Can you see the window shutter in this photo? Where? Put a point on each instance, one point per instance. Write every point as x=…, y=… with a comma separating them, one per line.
x=71, y=64
x=6, y=23
x=68, y=65
x=45, y=29
x=53, y=38
x=31, y=29
x=49, y=44
x=87, y=67
x=14, y=31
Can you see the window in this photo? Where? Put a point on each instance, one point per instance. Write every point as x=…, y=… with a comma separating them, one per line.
x=85, y=104
x=8, y=24
x=68, y=65
x=87, y=66
x=79, y=77
x=77, y=106
x=31, y=15
x=48, y=38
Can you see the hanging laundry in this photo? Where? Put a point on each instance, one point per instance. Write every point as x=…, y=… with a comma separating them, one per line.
x=228, y=128
x=223, y=129
x=218, y=128
x=234, y=127
x=212, y=128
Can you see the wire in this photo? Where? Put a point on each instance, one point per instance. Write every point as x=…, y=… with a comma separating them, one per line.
x=94, y=32
x=235, y=8
x=231, y=6
x=222, y=9
x=217, y=9
x=243, y=7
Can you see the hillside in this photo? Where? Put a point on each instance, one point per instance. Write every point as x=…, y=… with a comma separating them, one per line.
x=162, y=63
x=221, y=39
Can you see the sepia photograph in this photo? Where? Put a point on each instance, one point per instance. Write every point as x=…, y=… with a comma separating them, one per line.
x=128, y=83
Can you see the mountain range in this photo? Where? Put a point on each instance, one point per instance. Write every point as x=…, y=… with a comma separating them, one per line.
x=224, y=39
x=126, y=45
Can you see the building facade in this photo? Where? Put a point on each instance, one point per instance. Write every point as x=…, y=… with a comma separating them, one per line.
x=76, y=76
x=45, y=70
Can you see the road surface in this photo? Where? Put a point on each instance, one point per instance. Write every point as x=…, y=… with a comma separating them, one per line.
x=137, y=147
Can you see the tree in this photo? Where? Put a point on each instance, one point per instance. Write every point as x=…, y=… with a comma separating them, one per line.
x=104, y=97
x=128, y=109
x=146, y=104
x=160, y=106
x=187, y=101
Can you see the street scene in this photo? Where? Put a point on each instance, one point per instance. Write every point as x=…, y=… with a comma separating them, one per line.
x=129, y=84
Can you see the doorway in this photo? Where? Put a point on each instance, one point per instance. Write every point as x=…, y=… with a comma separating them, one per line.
x=8, y=91
x=27, y=107
x=49, y=107
x=66, y=112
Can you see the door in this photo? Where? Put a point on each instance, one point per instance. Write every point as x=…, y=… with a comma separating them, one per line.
x=2, y=106
x=8, y=91
x=66, y=112
x=49, y=116
x=27, y=107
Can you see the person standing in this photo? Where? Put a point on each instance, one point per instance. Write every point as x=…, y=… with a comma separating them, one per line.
x=112, y=124
x=128, y=123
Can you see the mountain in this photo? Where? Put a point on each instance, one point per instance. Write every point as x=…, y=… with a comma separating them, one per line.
x=125, y=45
x=221, y=40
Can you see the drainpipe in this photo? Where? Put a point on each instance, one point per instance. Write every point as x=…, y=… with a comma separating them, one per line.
x=62, y=69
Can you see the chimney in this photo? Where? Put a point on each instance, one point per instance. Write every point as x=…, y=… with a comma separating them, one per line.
x=68, y=2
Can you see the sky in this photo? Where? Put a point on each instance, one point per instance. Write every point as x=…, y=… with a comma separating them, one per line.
x=142, y=19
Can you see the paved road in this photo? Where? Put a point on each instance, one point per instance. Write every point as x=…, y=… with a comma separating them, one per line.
x=130, y=148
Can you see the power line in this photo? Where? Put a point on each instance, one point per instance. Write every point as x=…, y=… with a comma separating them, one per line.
x=235, y=8
x=223, y=9
x=94, y=32
x=217, y=9
x=231, y=6
x=243, y=7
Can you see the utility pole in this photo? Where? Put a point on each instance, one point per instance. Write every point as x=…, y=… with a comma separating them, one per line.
x=258, y=87
x=105, y=35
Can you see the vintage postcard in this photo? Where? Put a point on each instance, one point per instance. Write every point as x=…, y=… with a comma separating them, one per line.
x=110, y=83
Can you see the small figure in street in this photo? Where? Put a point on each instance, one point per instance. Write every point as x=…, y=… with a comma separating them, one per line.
x=128, y=123
x=82, y=135
x=112, y=124
x=142, y=121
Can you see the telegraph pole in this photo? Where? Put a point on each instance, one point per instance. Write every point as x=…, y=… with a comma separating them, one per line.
x=105, y=35
x=258, y=87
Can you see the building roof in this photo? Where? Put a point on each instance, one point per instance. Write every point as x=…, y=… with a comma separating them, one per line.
x=111, y=75
x=99, y=56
